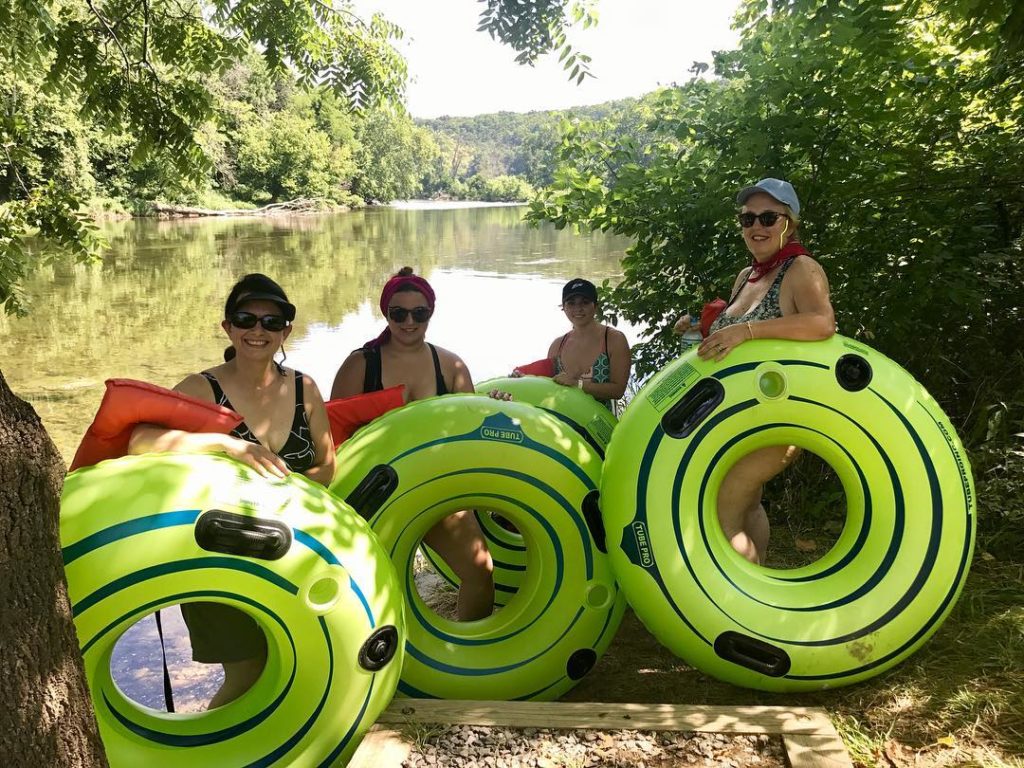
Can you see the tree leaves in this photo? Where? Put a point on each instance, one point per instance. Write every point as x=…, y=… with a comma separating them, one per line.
x=535, y=27
x=903, y=131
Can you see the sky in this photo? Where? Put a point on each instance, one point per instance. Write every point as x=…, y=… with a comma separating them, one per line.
x=636, y=46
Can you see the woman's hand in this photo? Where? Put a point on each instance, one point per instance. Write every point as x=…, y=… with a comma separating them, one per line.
x=682, y=325
x=723, y=341
x=499, y=394
x=566, y=379
x=260, y=458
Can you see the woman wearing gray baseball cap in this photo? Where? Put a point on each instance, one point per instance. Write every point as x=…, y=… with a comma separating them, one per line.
x=782, y=294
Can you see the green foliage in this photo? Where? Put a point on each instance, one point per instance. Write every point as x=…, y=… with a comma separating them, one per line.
x=287, y=156
x=521, y=144
x=394, y=156
x=534, y=28
x=51, y=212
x=900, y=126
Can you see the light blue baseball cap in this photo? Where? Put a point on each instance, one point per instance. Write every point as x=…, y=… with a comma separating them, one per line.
x=781, y=190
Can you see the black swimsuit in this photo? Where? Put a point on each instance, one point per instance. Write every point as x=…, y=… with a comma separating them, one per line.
x=297, y=452
x=372, y=379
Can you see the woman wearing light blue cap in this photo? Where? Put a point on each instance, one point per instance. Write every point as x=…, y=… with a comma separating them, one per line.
x=782, y=294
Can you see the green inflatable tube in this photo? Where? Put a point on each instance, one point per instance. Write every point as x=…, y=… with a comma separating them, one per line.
x=576, y=408
x=146, y=532
x=874, y=598
x=591, y=420
x=414, y=466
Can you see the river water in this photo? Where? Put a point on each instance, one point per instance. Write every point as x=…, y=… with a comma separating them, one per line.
x=151, y=310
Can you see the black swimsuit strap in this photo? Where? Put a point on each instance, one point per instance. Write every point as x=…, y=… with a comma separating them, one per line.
x=218, y=393
x=300, y=398
x=372, y=377
x=439, y=382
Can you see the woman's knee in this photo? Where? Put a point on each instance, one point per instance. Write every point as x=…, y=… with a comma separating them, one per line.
x=480, y=565
x=760, y=466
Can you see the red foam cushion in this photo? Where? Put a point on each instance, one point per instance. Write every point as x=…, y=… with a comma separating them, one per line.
x=347, y=414
x=709, y=314
x=128, y=403
x=543, y=367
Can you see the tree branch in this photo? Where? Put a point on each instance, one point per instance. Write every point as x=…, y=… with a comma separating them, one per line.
x=113, y=36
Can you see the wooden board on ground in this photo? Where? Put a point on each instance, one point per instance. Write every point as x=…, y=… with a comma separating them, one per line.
x=381, y=748
x=809, y=738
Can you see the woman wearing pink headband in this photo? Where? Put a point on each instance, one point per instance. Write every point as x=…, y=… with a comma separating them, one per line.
x=402, y=355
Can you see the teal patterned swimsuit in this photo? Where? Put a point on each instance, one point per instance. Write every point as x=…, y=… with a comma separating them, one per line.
x=600, y=371
x=767, y=309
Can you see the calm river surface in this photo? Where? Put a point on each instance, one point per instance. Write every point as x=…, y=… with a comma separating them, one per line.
x=152, y=309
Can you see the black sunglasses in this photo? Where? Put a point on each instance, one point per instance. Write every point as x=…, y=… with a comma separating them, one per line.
x=767, y=218
x=247, y=320
x=419, y=314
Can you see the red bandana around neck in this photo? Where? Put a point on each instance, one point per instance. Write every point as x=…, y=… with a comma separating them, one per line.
x=759, y=269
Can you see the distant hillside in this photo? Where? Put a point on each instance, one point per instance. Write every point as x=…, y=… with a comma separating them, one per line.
x=509, y=143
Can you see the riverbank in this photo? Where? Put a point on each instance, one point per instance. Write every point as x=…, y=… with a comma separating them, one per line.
x=213, y=205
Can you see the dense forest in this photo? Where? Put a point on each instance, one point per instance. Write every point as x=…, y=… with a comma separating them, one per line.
x=277, y=141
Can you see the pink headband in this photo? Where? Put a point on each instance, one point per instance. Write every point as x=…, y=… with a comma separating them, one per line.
x=391, y=287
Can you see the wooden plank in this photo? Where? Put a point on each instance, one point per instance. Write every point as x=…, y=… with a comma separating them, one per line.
x=381, y=748
x=663, y=717
x=816, y=751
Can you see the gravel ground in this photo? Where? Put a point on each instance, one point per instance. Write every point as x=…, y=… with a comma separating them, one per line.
x=471, y=746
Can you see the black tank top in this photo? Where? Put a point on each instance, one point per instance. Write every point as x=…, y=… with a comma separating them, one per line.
x=373, y=382
x=297, y=452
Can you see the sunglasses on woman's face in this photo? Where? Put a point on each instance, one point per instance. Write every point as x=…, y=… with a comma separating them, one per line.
x=419, y=314
x=247, y=320
x=767, y=218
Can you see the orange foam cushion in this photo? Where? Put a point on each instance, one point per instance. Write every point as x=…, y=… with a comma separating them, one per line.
x=347, y=414
x=128, y=403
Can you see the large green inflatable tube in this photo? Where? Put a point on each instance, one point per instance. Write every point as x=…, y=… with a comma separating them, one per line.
x=591, y=420
x=145, y=532
x=414, y=466
x=874, y=598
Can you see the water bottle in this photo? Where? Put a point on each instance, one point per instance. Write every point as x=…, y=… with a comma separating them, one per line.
x=691, y=337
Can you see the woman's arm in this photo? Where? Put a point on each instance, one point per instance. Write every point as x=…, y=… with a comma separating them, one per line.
x=320, y=433
x=621, y=362
x=461, y=381
x=149, y=438
x=348, y=380
x=813, y=320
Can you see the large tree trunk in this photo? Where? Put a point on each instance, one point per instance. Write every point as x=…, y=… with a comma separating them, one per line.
x=46, y=717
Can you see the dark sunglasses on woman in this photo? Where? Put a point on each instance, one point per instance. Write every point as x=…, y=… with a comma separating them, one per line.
x=767, y=218
x=247, y=320
x=419, y=314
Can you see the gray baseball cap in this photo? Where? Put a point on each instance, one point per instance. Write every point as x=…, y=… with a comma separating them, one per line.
x=781, y=190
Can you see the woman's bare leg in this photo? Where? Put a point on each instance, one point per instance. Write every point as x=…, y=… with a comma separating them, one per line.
x=460, y=543
x=239, y=677
x=740, y=512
